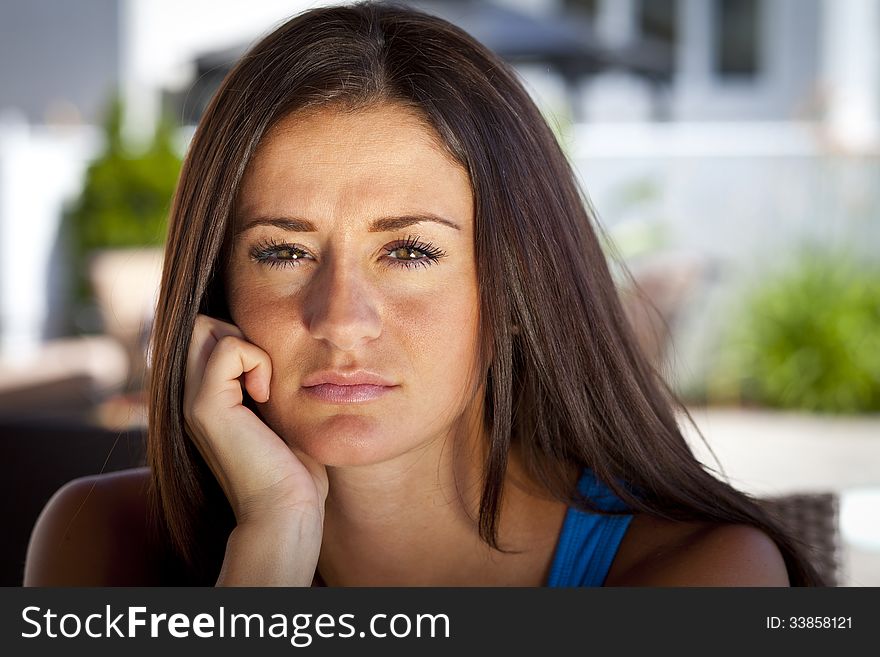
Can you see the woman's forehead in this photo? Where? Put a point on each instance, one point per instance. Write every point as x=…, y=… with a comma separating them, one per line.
x=376, y=160
x=381, y=131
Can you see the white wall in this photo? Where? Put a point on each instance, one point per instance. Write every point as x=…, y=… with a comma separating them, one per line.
x=161, y=38
x=40, y=169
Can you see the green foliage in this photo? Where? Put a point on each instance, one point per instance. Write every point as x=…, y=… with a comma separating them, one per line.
x=126, y=197
x=809, y=338
x=124, y=203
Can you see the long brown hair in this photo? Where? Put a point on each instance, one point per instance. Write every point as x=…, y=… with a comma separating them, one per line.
x=568, y=386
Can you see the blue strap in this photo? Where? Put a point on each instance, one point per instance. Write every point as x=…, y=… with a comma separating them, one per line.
x=588, y=541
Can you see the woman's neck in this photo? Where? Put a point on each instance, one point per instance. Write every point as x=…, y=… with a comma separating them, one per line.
x=413, y=522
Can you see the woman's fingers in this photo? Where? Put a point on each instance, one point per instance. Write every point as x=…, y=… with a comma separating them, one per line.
x=221, y=346
x=207, y=331
x=257, y=382
x=231, y=359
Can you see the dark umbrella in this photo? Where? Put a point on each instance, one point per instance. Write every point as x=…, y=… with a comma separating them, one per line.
x=520, y=37
x=565, y=44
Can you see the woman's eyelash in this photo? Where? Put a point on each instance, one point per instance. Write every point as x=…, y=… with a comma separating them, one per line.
x=272, y=253
x=430, y=252
x=282, y=254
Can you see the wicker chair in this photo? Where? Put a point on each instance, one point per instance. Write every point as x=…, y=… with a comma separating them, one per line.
x=814, y=519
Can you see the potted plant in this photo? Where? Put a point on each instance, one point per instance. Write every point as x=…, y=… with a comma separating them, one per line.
x=117, y=228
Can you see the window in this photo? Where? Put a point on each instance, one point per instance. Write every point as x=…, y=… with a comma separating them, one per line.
x=586, y=8
x=657, y=20
x=737, y=31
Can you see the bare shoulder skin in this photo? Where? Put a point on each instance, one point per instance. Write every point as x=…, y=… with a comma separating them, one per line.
x=657, y=552
x=93, y=532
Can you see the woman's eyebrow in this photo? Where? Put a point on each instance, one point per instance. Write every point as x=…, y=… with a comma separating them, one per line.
x=380, y=225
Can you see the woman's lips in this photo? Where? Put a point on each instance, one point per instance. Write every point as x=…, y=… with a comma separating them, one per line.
x=336, y=394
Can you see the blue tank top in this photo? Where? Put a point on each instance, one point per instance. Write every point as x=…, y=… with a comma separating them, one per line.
x=588, y=541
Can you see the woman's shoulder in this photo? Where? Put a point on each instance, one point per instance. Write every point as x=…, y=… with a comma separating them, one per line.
x=660, y=552
x=93, y=532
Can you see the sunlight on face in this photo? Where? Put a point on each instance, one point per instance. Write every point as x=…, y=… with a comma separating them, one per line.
x=354, y=250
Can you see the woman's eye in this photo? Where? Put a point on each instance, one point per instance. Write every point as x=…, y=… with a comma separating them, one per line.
x=278, y=255
x=412, y=253
x=402, y=253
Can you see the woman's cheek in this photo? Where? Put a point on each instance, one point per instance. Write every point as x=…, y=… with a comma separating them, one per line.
x=439, y=332
x=255, y=306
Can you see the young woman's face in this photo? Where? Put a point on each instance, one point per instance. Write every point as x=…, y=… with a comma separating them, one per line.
x=354, y=252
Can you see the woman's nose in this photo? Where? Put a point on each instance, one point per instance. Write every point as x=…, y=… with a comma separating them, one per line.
x=340, y=308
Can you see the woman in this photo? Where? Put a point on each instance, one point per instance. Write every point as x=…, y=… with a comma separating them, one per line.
x=388, y=351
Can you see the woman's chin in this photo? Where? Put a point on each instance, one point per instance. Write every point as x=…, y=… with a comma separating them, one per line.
x=345, y=440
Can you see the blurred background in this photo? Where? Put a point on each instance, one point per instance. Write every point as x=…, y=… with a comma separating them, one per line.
x=731, y=149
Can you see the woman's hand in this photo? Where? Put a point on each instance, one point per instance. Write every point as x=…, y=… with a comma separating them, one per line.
x=274, y=490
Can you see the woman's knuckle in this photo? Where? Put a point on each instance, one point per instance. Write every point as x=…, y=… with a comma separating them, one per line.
x=228, y=344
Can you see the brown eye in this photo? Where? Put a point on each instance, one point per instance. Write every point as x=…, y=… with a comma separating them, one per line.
x=412, y=253
x=274, y=254
x=287, y=254
x=405, y=253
